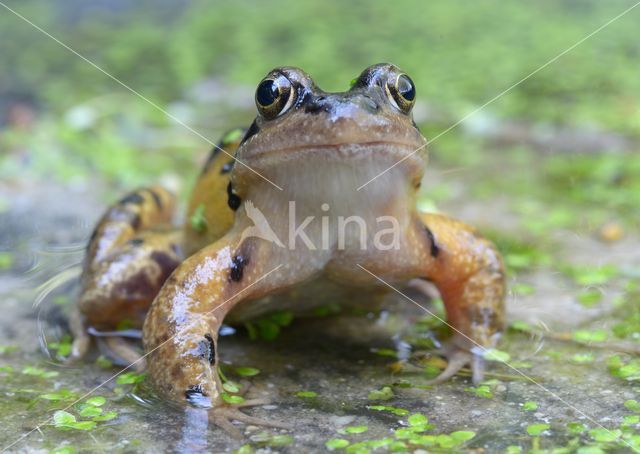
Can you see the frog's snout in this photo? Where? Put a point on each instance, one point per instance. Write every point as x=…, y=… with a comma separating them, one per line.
x=342, y=105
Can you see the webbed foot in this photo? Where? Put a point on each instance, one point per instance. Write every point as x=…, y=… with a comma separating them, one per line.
x=223, y=415
x=458, y=358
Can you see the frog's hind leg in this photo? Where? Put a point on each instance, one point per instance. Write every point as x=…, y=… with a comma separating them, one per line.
x=132, y=251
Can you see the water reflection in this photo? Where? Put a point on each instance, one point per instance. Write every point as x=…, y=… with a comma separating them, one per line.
x=194, y=431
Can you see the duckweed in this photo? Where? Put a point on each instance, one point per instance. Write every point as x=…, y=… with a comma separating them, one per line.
x=385, y=393
x=537, y=429
x=247, y=371
x=336, y=443
x=307, y=394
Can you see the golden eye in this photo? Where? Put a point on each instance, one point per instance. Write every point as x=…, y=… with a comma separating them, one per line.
x=274, y=96
x=402, y=92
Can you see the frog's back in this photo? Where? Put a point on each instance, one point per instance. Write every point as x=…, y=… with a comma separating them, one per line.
x=211, y=209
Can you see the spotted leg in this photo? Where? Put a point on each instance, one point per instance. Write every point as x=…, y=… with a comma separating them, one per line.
x=469, y=274
x=131, y=253
x=180, y=333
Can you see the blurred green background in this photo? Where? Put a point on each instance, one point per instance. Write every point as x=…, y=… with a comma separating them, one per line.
x=576, y=123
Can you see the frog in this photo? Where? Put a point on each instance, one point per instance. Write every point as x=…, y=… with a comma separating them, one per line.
x=275, y=222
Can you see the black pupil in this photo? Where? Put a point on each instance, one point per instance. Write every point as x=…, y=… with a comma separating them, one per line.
x=267, y=92
x=406, y=88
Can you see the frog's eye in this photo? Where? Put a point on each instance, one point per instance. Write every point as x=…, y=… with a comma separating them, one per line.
x=274, y=96
x=402, y=92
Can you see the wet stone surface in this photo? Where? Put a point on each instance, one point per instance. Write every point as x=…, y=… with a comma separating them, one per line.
x=318, y=373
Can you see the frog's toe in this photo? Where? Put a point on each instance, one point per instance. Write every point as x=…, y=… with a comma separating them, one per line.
x=223, y=415
x=456, y=361
x=79, y=349
x=459, y=358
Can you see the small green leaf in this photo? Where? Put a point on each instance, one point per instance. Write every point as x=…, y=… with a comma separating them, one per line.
x=96, y=401
x=590, y=336
x=604, y=435
x=268, y=330
x=84, y=425
x=90, y=412
x=247, y=371
x=231, y=387
x=280, y=440
x=108, y=416
x=396, y=411
x=197, y=220
x=103, y=362
x=336, y=443
x=632, y=405
x=385, y=393
x=582, y=358
x=537, y=429
x=522, y=289
x=129, y=378
x=385, y=352
x=306, y=394
x=282, y=318
x=61, y=418
x=231, y=399
x=529, y=406
x=481, y=391
x=356, y=429
x=461, y=436
x=37, y=372
x=589, y=298
x=6, y=260
x=232, y=136
x=576, y=428
x=496, y=355
x=244, y=449
x=417, y=419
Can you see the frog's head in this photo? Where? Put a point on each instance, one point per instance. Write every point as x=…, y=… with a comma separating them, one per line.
x=366, y=129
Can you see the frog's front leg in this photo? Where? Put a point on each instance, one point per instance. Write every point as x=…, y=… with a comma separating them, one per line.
x=469, y=274
x=180, y=333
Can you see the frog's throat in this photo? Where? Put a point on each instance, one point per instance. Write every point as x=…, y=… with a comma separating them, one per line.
x=323, y=185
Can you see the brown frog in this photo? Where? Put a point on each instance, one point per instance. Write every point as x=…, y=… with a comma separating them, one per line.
x=316, y=198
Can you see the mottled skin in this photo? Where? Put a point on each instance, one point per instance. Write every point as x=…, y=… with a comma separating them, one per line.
x=319, y=148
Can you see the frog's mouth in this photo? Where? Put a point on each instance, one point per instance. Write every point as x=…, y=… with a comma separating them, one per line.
x=374, y=156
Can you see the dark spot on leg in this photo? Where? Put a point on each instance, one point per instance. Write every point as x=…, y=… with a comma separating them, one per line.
x=166, y=262
x=136, y=242
x=228, y=167
x=176, y=372
x=133, y=198
x=237, y=268
x=208, y=349
x=137, y=287
x=193, y=393
x=435, y=250
x=233, y=201
x=93, y=237
x=156, y=198
x=252, y=131
x=176, y=249
x=135, y=221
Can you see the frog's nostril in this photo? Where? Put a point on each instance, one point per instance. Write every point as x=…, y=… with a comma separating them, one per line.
x=316, y=105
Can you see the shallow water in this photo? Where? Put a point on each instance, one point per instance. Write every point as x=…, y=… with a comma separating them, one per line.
x=337, y=356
